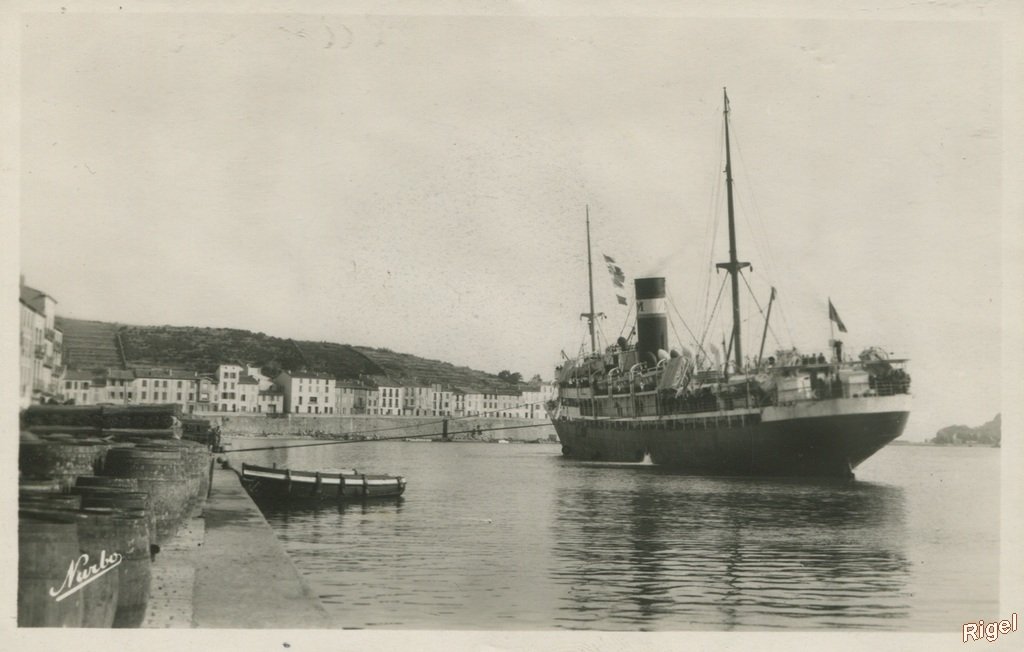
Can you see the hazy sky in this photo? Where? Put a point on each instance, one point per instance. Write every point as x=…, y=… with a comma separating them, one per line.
x=420, y=182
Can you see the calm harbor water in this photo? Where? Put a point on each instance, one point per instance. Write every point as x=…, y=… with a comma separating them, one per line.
x=493, y=536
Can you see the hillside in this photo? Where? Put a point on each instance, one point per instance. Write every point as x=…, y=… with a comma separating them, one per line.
x=92, y=345
x=89, y=344
x=989, y=434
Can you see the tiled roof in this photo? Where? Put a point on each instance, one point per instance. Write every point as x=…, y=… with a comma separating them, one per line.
x=178, y=374
x=31, y=295
x=309, y=374
x=28, y=305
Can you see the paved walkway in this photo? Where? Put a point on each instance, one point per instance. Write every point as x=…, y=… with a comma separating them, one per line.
x=226, y=568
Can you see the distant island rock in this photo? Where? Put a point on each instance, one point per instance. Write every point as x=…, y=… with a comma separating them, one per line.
x=988, y=434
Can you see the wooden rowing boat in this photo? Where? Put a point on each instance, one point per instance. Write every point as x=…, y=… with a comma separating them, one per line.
x=286, y=484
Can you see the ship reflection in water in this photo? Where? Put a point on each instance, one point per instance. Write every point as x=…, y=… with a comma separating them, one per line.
x=674, y=552
x=518, y=537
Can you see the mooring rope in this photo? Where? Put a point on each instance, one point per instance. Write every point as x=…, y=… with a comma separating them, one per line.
x=363, y=441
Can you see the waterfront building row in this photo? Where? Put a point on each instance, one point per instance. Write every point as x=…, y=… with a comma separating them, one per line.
x=237, y=387
x=243, y=388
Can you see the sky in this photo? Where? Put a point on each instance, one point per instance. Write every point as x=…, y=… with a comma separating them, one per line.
x=420, y=182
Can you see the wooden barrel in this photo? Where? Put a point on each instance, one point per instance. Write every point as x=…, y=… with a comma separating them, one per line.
x=52, y=501
x=62, y=415
x=98, y=537
x=161, y=474
x=135, y=570
x=47, y=545
x=48, y=486
x=199, y=460
x=65, y=432
x=140, y=416
x=196, y=460
x=107, y=481
x=61, y=461
x=149, y=434
x=121, y=498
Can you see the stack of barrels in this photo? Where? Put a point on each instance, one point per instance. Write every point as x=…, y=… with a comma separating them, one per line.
x=94, y=503
x=201, y=431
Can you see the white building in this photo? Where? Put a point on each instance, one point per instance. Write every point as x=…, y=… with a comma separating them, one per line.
x=352, y=397
x=161, y=386
x=41, y=351
x=248, y=394
x=78, y=387
x=265, y=382
x=270, y=401
x=474, y=402
x=228, y=376
x=534, y=399
x=390, y=399
x=307, y=393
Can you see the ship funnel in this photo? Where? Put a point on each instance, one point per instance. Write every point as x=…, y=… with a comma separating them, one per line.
x=651, y=321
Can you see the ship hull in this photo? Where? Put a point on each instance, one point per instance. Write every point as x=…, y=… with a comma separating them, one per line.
x=829, y=439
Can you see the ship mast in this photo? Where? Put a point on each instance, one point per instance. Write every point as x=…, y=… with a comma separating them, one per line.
x=733, y=266
x=590, y=280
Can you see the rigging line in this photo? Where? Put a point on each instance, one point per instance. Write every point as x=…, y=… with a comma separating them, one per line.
x=711, y=224
x=763, y=244
x=707, y=329
x=700, y=349
x=603, y=337
x=789, y=331
x=759, y=309
x=363, y=441
x=629, y=311
x=757, y=303
x=770, y=253
x=678, y=314
x=751, y=290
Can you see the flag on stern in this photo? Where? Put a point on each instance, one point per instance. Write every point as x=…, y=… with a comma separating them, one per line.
x=834, y=316
x=618, y=278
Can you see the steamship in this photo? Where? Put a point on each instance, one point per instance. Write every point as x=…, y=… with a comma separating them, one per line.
x=787, y=414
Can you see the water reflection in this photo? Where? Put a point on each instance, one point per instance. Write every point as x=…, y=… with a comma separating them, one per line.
x=283, y=511
x=643, y=549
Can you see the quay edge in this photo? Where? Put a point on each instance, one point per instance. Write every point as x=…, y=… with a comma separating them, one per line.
x=243, y=578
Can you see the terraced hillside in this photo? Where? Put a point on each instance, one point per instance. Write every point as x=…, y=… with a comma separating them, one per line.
x=202, y=349
x=90, y=344
x=422, y=370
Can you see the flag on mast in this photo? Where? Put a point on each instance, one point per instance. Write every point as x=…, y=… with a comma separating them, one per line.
x=834, y=316
x=618, y=278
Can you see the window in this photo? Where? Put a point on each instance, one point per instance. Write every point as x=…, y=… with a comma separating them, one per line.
x=143, y=382
x=143, y=396
x=179, y=396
